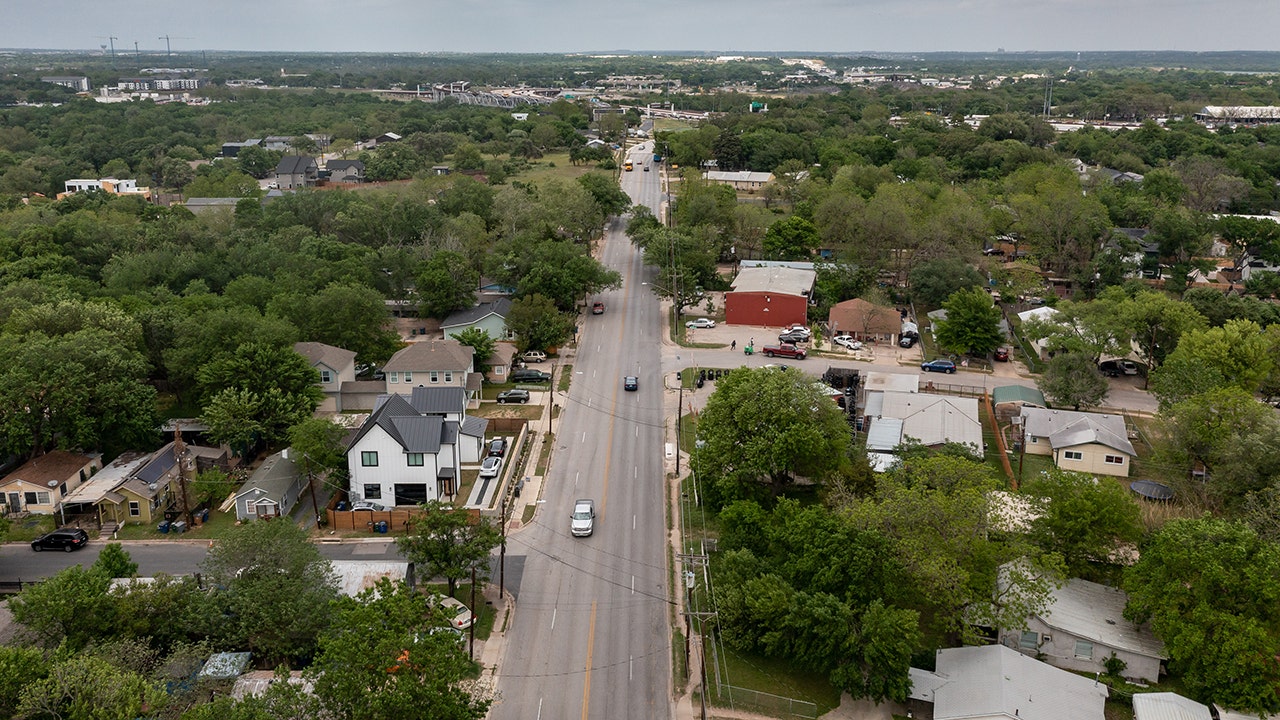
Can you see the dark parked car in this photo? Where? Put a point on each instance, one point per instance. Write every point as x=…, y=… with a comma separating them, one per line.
x=942, y=366
x=630, y=382
x=530, y=376
x=66, y=539
x=498, y=447
x=516, y=396
x=907, y=341
x=793, y=338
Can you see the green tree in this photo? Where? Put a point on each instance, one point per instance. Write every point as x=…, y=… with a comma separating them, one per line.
x=972, y=326
x=478, y=339
x=282, y=387
x=257, y=161
x=1238, y=353
x=213, y=484
x=562, y=271
x=1084, y=520
x=605, y=191
x=352, y=317
x=114, y=562
x=380, y=660
x=792, y=239
x=449, y=542
x=934, y=281
x=72, y=607
x=275, y=590
x=1072, y=379
x=762, y=428
x=538, y=324
x=89, y=687
x=1233, y=436
x=446, y=283
x=19, y=667
x=1157, y=322
x=1211, y=590
x=1061, y=224
x=233, y=417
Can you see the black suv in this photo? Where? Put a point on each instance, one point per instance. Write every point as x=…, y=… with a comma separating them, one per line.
x=530, y=376
x=66, y=539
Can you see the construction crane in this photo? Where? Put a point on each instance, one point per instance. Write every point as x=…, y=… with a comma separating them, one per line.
x=167, y=48
x=112, y=39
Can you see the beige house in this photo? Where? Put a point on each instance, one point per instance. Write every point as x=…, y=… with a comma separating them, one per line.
x=150, y=489
x=335, y=365
x=1082, y=626
x=1079, y=441
x=743, y=180
x=433, y=363
x=39, y=485
x=865, y=321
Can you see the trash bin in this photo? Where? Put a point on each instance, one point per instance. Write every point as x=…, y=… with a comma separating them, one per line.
x=204, y=515
x=380, y=526
x=163, y=526
x=179, y=526
x=342, y=506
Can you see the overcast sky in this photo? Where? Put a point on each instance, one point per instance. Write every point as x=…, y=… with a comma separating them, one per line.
x=702, y=25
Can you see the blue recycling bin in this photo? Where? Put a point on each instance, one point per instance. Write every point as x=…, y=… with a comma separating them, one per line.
x=163, y=526
x=380, y=526
x=204, y=515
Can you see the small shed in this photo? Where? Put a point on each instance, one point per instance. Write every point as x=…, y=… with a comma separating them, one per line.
x=1010, y=399
x=225, y=665
x=272, y=490
x=356, y=576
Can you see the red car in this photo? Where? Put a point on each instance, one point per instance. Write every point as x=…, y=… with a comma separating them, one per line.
x=1002, y=354
x=597, y=309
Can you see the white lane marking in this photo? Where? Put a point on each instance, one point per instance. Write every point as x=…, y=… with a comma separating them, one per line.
x=553, y=618
x=633, y=584
x=633, y=523
x=539, y=708
x=575, y=478
x=631, y=662
x=584, y=436
x=637, y=431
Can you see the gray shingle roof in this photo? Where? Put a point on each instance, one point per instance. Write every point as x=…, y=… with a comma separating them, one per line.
x=1068, y=428
x=471, y=315
x=1095, y=612
x=274, y=477
x=412, y=430
x=344, y=164
x=329, y=355
x=431, y=355
x=295, y=164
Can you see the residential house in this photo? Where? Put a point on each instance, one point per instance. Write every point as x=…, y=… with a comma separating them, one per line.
x=387, y=138
x=500, y=362
x=296, y=171
x=865, y=321
x=775, y=296
x=1169, y=706
x=440, y=170
x=488, y=316
x=149, y=491
x=345, y=171
x=993, y=682
x=411, y=449
x=741, y=180
x=232, y=149
x=110, y=186
x=279, y=143
x=928, y=419
x=1080, y=441
x=1043, y=313
x=105, y=481
x=209, y=206
x=39, y=485
x=336, y=367
x=1082, y=627
x=434, y=363
x=273, y=489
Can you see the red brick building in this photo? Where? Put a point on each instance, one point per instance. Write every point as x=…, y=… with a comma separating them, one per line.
x=771, y=296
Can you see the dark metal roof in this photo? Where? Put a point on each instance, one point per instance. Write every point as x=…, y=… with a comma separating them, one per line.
x=159, y=465
x=417, y=434
x=438, y=400
x=474, y=426
x=476, y=313
x=295, y=164
x=274, y=477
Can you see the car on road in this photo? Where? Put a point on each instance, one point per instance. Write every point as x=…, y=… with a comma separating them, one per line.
x=630, y=383
x=65, y=539
x=497, y=447
x=907, y=341
x=701, y=323
x=534, y=356
x=1002, y=354
x=597, y=308
x=847, y=341
x=646, y=168
x=513, y=396
x=793, y=338
x=530, y=376
x=458, y=614
x=491, y=467
x=940, y=365
x=583, y=519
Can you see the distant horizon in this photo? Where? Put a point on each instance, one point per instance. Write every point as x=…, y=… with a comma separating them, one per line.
x=566, y=26
x=123, y=51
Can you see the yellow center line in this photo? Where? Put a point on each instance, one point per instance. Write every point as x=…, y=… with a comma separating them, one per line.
x=591, y=641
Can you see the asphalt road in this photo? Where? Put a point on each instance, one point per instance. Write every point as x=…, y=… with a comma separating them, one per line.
x=590, y=635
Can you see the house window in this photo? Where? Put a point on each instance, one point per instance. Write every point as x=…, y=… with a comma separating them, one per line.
x=435, y=376
x=135, y=509
x=408, y=376
x=326, y=377
x=415, y=459
x=1084, y=650
x=393, y=377
x=1029, y=640
x=369, y=458
x=448, y=377
x=62, y=490
x=1114, y=460
x=36, y=498
x=1072, y=454
x=372, y=492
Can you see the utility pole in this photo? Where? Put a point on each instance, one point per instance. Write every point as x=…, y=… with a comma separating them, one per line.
x=472, y=650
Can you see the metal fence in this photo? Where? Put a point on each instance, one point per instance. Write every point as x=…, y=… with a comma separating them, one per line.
x=766, y=703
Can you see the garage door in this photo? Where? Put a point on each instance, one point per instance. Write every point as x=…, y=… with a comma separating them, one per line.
x=411, y=493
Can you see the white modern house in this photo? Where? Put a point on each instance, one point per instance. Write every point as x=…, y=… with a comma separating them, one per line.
x=411, y=449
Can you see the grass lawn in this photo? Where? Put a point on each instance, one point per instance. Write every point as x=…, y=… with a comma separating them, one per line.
x=672, y=124
x=773, y=677
x=1032, y=465
x=168, y=406
x=530, y=411
x=30, y=527
x=566, y=376
x=484, y=619
x=555, y=166
x=218, y=526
